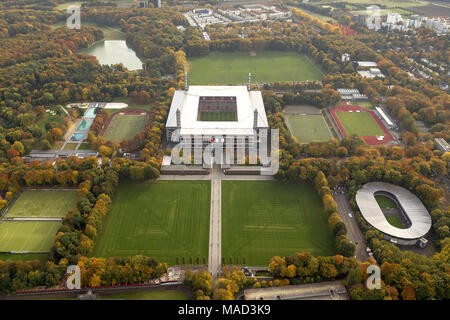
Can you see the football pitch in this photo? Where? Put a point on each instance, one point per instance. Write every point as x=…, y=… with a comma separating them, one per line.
x=222, y=68
x=168, y=220
x=218, y=116
x=43, y=203
x=125, y=126
x=31, y=236
x=359, y=123
x=262, y=219
x=308, y=128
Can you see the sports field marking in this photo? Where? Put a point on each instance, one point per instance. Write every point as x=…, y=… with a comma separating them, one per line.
x=166, y=220
x=262, y=219
x=43, y=203
x=361, y=124
x=125, y=126
x=32, y=236
x=308, y=128
x=223, y=68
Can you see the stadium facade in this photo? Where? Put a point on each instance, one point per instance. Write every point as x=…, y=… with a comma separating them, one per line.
x=227, y=115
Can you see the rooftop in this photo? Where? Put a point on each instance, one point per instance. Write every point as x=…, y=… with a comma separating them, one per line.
x=188, y=104
x=411, y=205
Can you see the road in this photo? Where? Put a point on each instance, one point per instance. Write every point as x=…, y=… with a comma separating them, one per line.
x=215, y=229
x=353, y=231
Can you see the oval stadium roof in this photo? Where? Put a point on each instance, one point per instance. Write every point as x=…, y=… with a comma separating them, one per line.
x=412, y=206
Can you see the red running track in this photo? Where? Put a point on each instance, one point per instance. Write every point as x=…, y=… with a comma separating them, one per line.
x=370, y=140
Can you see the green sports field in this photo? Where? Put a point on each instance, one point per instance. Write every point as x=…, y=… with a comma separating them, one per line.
x=125, y=126
x=31, y=236
x=359, y=123
x=395, y=221
x=217, y=116
x=385, y=202
x=166, y=220
x=261, y=219
x=43, y=203
x=223, y=68
x=308, y=128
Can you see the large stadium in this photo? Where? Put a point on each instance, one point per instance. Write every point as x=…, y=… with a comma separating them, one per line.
x=417, y=220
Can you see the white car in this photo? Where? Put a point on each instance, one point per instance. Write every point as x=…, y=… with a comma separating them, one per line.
x=350, y=215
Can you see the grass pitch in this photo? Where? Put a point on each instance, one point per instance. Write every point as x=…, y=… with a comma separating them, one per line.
x=166, y=220
x=217, y=116
x=262, y=219
x=267, y=66
x=43, y=203
x=125, y=126
x=31, y=236
x=308, y=128
x=359, y=123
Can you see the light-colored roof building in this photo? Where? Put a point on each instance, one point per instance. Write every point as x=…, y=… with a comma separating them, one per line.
x=245, y=103
x=409, y=204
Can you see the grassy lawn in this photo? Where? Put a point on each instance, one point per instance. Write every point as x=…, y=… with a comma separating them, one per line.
x=70, y=146
x=308, y=128
x=395, y=221
x=217, y=116
x=45, y=203
x=365, y=104
x=166, y=220
x=23, y=257
x=130, y=103
x=359, y=123
x=262, y=219
x=148, y=295
x=32, y=236
x=49, y=118
x=387, y=3
x=385, y=202
x=125, y=126
x=85, y=146
x=267, y=66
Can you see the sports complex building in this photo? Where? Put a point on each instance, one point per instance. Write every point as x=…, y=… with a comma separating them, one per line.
x=215, y=112
x=413, y=212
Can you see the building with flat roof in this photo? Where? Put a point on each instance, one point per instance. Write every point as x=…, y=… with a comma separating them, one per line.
x=411, y=208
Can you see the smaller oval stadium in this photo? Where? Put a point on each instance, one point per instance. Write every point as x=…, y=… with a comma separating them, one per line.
x=417, y=220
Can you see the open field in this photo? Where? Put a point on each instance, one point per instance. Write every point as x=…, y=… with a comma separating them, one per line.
x=262, y=219
x=43, y=203
x=359, y=123
x=395, y=221
x=125, y=126
x=385, y=202
x=268, y=66
x=22, y=257
x=148, y=295
x=131, y=105
x=31, y=236
x=217, y=116
x=308, y=128
x=166, y=220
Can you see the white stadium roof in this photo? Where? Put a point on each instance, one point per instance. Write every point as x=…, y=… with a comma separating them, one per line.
x=412, y=206
x=246, y=103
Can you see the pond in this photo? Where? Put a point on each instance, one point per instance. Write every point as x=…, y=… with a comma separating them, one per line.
x=115, y=51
